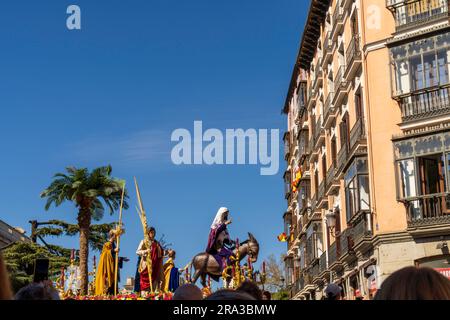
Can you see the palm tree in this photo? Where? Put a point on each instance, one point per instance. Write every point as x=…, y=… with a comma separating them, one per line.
x=86, y=190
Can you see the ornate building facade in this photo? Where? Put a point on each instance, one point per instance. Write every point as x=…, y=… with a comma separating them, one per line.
x=368, y=145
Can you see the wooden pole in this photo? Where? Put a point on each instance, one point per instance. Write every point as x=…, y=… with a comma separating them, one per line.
x=116, y=264
x=143, y=217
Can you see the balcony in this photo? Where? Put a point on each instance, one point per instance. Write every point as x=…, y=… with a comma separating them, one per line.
x=313, y=152
x=342, y=158
x=303, y=147
x=425, y=104
x=311, y=98
x=323, y=263
x=330, y=112
x=322, y=200
x=319, y=133
x=353, y=57
x=332, y=184
x=333, y=255
x=429, y=214
x=415, y=14
x=287, y=184
x=347, y=245
x=318, y=77
x=358, y=146
x=340, y=86
x=287, y=145
x=327, y=53
x=315, y=270
x=338, y=20
x=362, y=229
x=357, y=136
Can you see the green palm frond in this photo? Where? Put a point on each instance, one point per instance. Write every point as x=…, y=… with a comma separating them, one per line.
x=81, y=186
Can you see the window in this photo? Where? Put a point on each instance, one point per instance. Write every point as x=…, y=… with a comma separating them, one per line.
x=313, y=125
x=357, y=192
x=423, y=184
x=407, y=175
x=303, y=196
x=316, y=183
x=301, y=95
x=354, y=24
x=333, y=150
x=287, y=223
x=421, y=64
x=287, y=182
x=432, y=175
x=324, y=167
x=344, y=131
x=358, y=105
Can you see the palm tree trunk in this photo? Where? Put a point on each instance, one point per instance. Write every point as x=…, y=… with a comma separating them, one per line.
x=84, y=222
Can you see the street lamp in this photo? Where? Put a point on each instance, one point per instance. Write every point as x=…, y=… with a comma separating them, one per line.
x=331, y=220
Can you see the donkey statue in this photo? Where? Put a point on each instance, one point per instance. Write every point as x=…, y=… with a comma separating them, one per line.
x=206, y=264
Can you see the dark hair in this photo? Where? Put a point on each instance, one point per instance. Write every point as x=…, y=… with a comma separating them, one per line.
x=227, y=294
x=251, y=288
x=152, y=229
x=188, y=292
x=37, y=291
x=267, y=295
x=413, y=283
x=5, y=286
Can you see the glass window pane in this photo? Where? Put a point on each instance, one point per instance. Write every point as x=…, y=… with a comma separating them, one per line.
x=361, y=165
x=417, y=73
x=364, y=193
x=351, y=199
x=429, y=144
x=443, y=66
x=351, y=173
x=430, y=69
x=407, y=176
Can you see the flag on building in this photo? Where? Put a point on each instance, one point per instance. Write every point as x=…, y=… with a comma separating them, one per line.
x=282, y=237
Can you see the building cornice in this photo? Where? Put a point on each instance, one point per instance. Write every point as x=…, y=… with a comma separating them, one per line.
x=308, y=45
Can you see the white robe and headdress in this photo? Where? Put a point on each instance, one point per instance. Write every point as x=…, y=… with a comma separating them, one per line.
x=219, y=222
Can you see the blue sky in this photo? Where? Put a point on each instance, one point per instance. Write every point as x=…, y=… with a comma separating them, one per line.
x=113, y=92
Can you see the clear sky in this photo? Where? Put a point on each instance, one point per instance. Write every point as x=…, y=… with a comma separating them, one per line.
x=113, y=92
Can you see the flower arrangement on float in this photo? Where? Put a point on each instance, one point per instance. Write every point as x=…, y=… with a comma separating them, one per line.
x=124, y=297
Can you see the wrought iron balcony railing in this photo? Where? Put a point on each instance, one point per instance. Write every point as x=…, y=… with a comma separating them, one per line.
x=331, y=179
x=412, y=14
x=318, y=73
x=346, y=241
x=353, y=54
x=323, y=262
x=315, y=270
x=428, y=210
x=357, y=133
x=342, y=158
x=425, y=104
x=362, y=227
x=338, y=18
x=328, y=109
x=327, y=47
x=333, y=254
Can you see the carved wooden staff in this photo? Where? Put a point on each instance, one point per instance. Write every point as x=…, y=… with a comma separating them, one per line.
x=119, y=229
x=142, y=215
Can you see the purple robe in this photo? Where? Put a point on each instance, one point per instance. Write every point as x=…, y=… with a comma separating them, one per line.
x=213, y=233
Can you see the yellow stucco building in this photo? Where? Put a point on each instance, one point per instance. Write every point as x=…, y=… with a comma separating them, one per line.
x=368, y=145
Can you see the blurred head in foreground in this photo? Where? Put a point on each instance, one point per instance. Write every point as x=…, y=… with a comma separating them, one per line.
x=412, y=283
x=188, y=292
x=252, y=289
x=230, y=295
